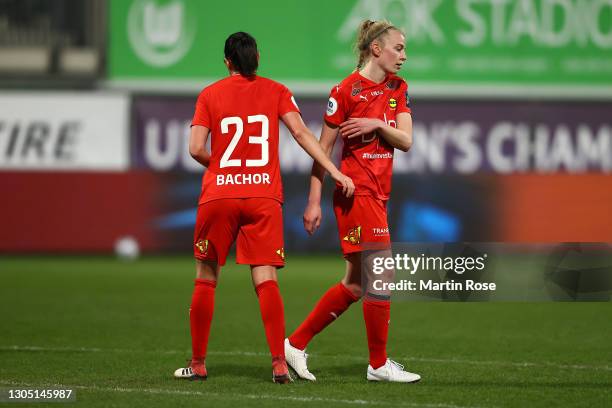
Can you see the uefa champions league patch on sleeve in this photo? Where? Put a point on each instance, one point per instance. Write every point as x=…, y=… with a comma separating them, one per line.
x=332, y=106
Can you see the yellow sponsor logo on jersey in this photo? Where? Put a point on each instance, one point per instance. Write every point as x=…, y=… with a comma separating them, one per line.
x=354, y=236
x=392, y=103
x=202, y=246
x=281, y=253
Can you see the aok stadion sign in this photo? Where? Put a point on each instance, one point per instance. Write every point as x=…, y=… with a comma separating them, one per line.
x=466, y=47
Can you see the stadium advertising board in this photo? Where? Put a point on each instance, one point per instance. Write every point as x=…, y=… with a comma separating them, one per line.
x=77, y=211
x=473, y=170
x=528, y=47
x=63, y=131
x=510, y=137
x=449, y=137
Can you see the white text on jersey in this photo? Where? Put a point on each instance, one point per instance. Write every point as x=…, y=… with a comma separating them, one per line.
x=254, y=178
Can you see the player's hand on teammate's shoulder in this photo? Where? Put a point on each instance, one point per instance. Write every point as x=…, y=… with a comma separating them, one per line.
x=359, y=126
x=312, y=217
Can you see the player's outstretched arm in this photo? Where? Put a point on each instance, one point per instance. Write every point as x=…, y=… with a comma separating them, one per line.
x=400, y=137
x=309, y=143
x=197, y=144
x=312, y=213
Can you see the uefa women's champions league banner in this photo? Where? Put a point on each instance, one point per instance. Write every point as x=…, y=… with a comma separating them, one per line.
x=475, y=168
x=449, y=137
x=465, y=47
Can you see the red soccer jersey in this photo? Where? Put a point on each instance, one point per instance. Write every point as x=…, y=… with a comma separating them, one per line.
x=243, y=114
x=368, y=159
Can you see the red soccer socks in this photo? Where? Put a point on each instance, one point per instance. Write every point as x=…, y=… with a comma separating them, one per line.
x=280, y=370
x=198, y=368
x=200, y=316
x=273, y=316
x=376, y=314
x=331, y=305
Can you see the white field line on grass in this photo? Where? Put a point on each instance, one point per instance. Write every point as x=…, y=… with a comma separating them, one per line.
x=327, y=356
x=207, y=394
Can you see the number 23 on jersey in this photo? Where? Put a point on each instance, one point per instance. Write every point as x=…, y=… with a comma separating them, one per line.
x=238, y=128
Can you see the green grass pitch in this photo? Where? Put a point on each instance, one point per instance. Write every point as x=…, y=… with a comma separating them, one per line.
x=115, y=331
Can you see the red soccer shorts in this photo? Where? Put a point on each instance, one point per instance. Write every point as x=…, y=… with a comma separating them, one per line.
x=256, y=224
x=362, y=223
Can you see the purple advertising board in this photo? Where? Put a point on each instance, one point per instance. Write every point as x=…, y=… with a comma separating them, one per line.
x=449, y=137
x=444, y=189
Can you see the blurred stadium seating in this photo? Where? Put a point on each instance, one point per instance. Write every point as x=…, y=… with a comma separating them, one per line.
x=51, y=42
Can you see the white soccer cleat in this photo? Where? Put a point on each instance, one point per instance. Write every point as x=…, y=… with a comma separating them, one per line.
x=392, y=372
x=296, y=359
x=195, y=370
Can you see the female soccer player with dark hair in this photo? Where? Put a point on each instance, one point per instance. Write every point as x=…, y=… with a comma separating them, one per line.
x=370, y=110
x=242, y=195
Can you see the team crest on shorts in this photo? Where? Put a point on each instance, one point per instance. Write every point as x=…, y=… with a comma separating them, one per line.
x=354, y=236
x=202, y=246
x=281, y=253
x=392, y=103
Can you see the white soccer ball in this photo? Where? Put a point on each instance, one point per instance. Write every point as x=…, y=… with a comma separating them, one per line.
x=127, y=248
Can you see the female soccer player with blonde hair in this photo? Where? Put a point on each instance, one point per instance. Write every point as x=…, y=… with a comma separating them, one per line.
x=370, y=110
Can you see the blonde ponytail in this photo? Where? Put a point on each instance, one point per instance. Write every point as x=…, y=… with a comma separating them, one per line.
x=369, y=31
